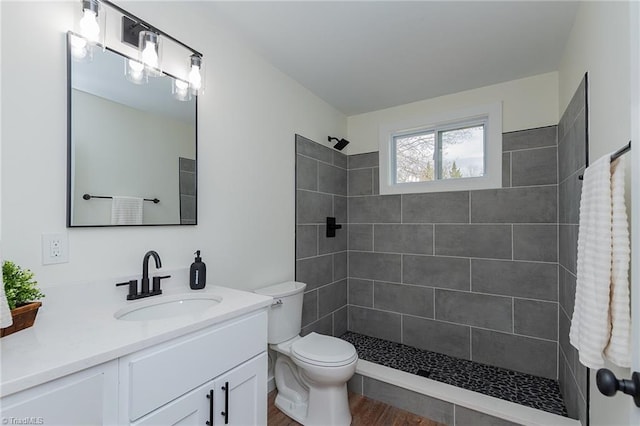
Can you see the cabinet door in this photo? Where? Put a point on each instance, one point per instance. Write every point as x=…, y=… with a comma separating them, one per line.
x=241, y=394
x=194, y=408
x=88, y=397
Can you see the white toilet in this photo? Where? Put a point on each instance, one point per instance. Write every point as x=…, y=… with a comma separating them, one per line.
x=311, y=372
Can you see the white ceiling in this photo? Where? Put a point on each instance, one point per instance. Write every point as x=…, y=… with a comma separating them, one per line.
x=362, y=56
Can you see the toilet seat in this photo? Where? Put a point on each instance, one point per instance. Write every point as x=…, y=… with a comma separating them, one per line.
x=323, y=351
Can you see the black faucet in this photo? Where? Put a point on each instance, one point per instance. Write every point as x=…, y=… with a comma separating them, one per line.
x=144, y=291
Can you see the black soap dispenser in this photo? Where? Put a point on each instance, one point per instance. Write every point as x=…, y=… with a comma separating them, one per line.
x=198, y=275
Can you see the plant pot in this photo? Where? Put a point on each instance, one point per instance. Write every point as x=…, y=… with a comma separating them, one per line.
x=23, y=317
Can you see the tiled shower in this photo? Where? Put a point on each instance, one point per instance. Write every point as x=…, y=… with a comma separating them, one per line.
x=471, y=274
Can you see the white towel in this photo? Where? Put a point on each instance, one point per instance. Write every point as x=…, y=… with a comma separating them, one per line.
x=126, y=211
x=599, y=295
x=5, y=314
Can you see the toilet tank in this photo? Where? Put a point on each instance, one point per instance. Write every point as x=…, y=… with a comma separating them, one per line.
x=285, y=314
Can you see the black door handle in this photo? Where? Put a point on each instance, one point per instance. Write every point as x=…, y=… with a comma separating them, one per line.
x=609, y=384
x=225, y=413
x=210, y=397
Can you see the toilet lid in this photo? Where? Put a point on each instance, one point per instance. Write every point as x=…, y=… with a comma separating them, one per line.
x=319, y=349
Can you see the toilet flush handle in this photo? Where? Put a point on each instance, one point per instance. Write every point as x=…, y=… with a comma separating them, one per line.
x=276, y=303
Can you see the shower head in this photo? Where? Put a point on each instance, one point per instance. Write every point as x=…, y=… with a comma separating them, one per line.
x=341, y=143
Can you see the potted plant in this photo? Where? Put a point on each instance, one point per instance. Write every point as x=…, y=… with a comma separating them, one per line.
x=22, y=294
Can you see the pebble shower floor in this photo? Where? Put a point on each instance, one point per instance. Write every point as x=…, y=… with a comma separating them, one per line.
x=524, y=389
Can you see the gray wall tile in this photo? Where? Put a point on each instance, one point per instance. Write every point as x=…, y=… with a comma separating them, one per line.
x=569, y=194
x=575, y=108
x=322, y=326
x=519, y=353
x=572, y=149
x=376, y=209
x=331, y=179
x=520, y=279
x=361, y=237
x=306, y=173
x=436, y=336
x=493, y=312
x=309, y=307
x=376, y=181
x=422, y=405
x=361, y=292
x=417, y=239
x=443, y=272
x=340, y=266
x=369, y=159
x=375, y=266
x=332, y=245
x=340, y=159
x=187, y=209
x=340, y=206
x=186, y=164
x=441, y=207
x=568, y=246
x=306, y=241
x=534, y=167
x=315, y=271
x=361, y=182
x=506, y=170
x=312, y=149
x=467, y=417
x=514, y=205
x=403, y=298
x=487, y=241
x=187, y=183
x=383, y=325
x=531, y=138
x=567, y=293
x=312, y=207
x=535, y=318
x=332, y=297
x=341, y=321
x=535, y=242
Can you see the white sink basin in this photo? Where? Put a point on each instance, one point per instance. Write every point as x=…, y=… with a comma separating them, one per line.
x=168, y=307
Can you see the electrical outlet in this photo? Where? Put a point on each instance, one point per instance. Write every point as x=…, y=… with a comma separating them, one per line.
x=55, y=248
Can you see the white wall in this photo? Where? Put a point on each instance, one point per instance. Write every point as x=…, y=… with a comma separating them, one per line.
x=247, y=120
x=599, y=45
x=526, y=103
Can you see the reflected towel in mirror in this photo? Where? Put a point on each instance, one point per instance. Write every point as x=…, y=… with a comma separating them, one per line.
x=126, y=210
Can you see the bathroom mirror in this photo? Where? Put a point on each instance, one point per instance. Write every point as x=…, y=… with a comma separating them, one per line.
x=128, y=140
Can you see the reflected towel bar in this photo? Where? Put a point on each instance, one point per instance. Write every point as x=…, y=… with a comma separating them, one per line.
x=619, y=153
x=88, y=197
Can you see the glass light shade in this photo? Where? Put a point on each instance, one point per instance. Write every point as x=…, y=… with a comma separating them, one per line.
x=180, y=90
x=150, y=45
x=196, y=75
x=134, y=71
x=81, y=51
x=92, y=25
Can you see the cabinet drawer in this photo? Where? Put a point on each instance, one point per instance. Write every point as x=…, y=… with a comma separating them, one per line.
x=195, y=359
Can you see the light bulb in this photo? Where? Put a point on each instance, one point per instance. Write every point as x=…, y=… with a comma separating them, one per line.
x=181, y=90
x=135, y=71
x=195, y=78
x=182, y=85
x=149, y=54
x=78, y=47
x=89, y=27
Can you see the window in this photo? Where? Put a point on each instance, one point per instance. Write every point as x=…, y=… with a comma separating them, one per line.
x=458, y=151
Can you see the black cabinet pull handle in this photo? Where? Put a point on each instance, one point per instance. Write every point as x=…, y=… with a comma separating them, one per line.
x=210, y=397
x=609, y=384
x=225, y=413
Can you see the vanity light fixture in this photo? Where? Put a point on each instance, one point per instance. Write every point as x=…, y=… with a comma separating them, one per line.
x=150, y=47
x=195, y=75
x=89, y=26
x=180, y=90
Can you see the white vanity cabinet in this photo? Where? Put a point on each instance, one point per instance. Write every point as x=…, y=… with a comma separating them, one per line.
x=88, y=397
x=170, y=383
x=235, y=398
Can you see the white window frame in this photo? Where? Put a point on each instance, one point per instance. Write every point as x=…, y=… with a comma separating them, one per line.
x=490, y=115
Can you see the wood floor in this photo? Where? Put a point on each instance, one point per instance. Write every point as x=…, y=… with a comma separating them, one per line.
x=365, y=412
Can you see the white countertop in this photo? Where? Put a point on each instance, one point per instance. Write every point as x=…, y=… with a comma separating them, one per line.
x=75, y=328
